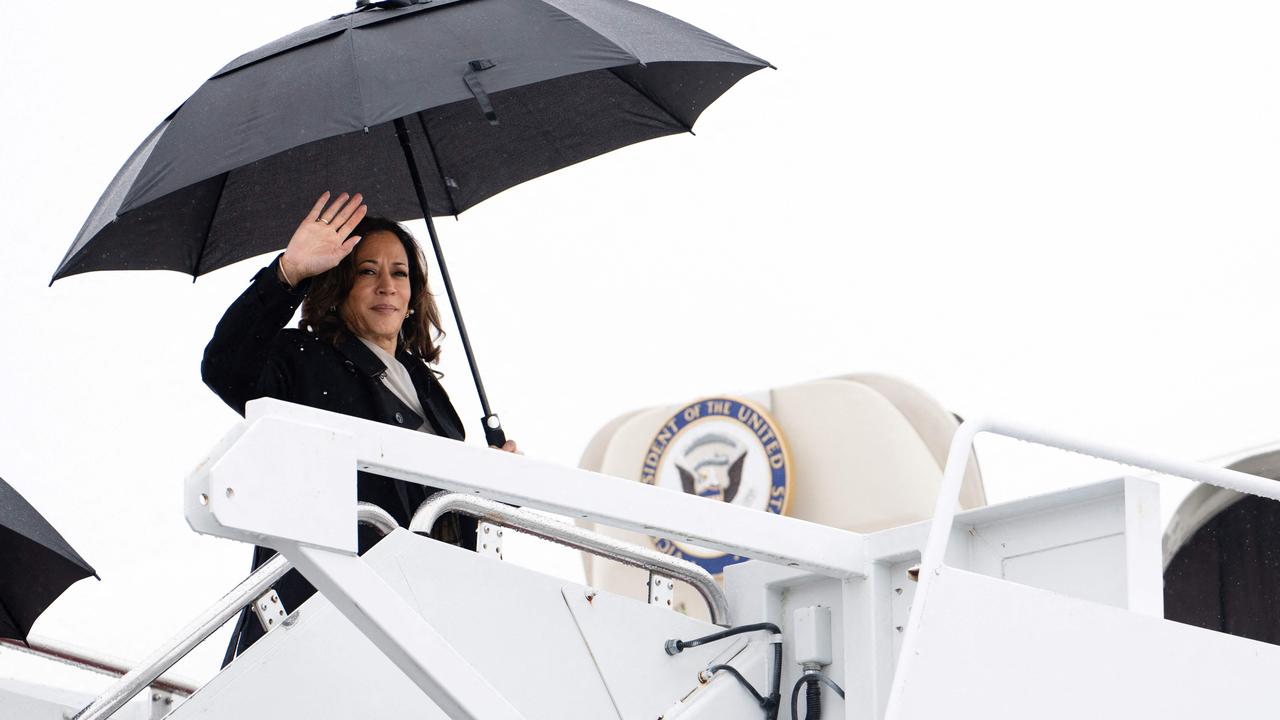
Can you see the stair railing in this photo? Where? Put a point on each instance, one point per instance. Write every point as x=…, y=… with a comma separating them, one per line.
x=575, y=537
x=205, y=624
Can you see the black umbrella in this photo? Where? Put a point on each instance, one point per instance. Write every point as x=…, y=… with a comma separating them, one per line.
x=427, y=108
x=36, y=564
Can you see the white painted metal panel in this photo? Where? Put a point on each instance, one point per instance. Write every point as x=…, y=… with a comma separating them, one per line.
x=1074, y=569
x=402, y=633
x=987, y=649
x=626, y=638
x=320, y=667
x=278, y=478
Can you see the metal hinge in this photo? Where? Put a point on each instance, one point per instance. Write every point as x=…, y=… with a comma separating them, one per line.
x=662, y=590
x=489, y=540
x=270, y=611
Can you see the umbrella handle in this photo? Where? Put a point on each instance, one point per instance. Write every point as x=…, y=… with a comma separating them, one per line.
x=493, y=433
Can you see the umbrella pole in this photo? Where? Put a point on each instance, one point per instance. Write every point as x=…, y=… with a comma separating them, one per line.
x=493, y=433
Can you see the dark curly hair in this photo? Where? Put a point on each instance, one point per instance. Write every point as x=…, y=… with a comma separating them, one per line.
x=420, y=333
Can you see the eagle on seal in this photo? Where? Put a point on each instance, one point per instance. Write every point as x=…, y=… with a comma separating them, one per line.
x=713, y=474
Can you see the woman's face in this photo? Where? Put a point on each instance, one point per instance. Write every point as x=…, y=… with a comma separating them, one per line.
x=379, y=299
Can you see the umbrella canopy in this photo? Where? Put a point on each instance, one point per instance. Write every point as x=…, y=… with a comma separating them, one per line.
x=36, y=564
x=490, y=93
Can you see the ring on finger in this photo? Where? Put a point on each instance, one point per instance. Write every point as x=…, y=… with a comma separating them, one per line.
x=326, y=222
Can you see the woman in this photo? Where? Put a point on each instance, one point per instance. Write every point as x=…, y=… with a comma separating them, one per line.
x=363, y=347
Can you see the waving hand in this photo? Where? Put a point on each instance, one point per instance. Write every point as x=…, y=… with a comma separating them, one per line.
x=323, y=238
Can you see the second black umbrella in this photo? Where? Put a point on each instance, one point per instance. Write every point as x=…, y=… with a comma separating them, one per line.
x=36, y=564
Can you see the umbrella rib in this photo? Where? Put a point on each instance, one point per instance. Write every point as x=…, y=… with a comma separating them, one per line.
x=687, y=128
x=435, y=160
x=204, y=241
x=355, y=75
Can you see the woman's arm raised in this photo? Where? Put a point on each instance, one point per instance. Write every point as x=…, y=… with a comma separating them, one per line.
x=238, y=361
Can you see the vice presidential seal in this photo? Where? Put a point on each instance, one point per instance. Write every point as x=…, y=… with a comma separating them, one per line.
x=725, y=449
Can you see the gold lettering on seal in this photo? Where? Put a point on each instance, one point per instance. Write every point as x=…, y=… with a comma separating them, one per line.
x=649, y=471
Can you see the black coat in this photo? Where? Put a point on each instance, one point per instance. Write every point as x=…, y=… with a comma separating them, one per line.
x=252, y=355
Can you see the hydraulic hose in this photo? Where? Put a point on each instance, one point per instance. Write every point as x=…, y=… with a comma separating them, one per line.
x=813, y=680
x=813, y=700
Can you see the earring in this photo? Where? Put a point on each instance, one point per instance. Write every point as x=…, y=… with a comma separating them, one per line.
x=409, y=313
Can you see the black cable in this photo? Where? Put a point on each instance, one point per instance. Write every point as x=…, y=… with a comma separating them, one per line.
x=771, y=703
x=775, y=689
x=795, y=694
x=675, y=646
x=734, y=672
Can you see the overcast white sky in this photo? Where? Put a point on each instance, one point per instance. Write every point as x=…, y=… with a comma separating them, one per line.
x=1063, y=213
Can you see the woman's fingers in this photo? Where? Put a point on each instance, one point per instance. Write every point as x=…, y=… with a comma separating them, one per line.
x=347, y=210
x=349, y=222
x=348, y=245
x=510, y=446
x=314, y=215
x=321, y=241
x=332, y=211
